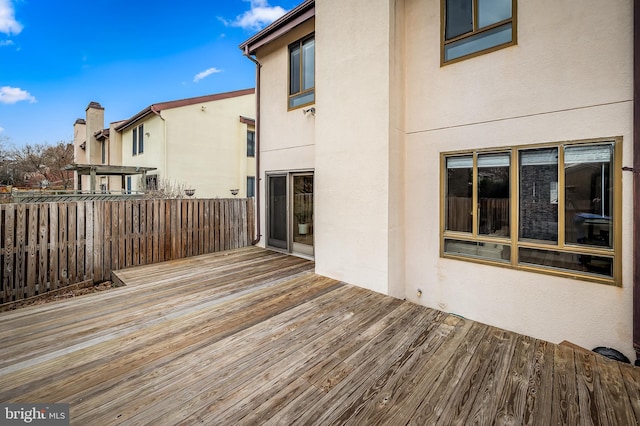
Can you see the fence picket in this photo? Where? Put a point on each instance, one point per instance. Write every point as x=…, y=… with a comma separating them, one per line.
x=47, y=246
x=32, y=261
x=9, y=271
x=73, y=242
x=43, y=251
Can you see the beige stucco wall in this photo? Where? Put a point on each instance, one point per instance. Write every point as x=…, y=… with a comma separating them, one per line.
x=287, y=138
x=359, y=207
x=386, y=109
x=201, y=146
x=152, y=155
x=559, y=83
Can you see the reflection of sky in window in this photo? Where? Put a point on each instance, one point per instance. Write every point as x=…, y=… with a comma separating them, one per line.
x=481, y=41
x=492, y=11
x=308, y=57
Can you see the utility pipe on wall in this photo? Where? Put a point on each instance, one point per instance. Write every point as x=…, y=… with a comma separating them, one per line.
x=258, y=179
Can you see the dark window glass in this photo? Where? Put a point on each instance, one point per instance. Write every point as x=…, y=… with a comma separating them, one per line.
x=459, y=194
x=459, y=18
x=294, y=60
x=493, y=194
x=596, y=265
x=135, y=141
x=141, y=139
x=251, y=183
x=538, y=209
x=251, y=143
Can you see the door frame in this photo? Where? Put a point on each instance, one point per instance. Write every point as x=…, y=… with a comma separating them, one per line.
x=289, y=174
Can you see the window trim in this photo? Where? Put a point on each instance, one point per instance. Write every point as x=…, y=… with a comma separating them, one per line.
x=513, y=241
x=514, y=33
x=291, y=96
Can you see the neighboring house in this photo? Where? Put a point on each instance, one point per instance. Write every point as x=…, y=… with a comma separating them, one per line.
x=95, y=145
x=467, y=156
x=204, y=143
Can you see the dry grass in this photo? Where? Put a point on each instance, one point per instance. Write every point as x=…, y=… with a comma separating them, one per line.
x=60, y=295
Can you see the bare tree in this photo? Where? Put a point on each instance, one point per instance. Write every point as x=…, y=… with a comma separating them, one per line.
x=56, y=158
x=164, y=188
x=38, y=163
x=6, y=166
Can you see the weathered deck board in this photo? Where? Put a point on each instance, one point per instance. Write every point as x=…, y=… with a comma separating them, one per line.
x=254, y=337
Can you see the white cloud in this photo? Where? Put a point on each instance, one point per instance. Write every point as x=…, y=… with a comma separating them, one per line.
x=11, y=95
x=8, y=23
x=257, y=17
x=205, y=73
x=1, y=129
x=6, y=43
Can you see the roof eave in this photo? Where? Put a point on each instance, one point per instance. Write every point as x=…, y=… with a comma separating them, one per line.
x=279, y=27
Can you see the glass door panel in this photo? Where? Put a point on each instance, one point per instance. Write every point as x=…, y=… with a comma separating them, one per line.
x=302, y=222
x=277, y=217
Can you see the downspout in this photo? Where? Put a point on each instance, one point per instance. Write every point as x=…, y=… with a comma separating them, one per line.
x=258, y=179
x=636, y=181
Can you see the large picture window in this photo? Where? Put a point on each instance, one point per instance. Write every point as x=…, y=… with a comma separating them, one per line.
x=552, y=208
x=474, y=26
x=302, y=80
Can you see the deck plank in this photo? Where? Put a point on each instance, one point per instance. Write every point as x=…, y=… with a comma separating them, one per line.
x=251, y=336
x=512, y=401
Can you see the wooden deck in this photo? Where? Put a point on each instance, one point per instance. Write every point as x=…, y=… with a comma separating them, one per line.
x=254, y=337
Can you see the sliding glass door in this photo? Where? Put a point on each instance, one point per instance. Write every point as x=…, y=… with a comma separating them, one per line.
x=290, y=212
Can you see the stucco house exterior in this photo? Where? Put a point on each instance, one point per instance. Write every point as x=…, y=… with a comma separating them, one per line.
x=204, y=143
x=471, y=156
x=95, y=144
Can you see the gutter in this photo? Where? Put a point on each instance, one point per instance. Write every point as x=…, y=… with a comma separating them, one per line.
x=636, y=181
x=258, y=179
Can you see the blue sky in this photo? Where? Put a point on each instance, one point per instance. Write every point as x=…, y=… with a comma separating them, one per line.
x=57, y=56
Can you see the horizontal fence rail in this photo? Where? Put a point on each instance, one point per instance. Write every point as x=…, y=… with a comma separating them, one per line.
x=48, y=246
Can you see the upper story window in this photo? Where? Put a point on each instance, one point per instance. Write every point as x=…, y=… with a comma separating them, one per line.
x=552, y=208
x=471, y=27
x=103, y=151
x=251, y=143
x=302, y=81
x=138, y=140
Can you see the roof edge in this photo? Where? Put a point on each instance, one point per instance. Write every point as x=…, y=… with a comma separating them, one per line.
x=156, y=108
x=283, y=25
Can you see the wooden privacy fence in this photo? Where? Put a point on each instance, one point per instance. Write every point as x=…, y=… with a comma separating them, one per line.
x=48, y=246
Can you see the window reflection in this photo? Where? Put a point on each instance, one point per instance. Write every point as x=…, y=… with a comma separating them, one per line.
x=493, y=194
x=588, y=195
x=459, y=209
x=493, y=11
